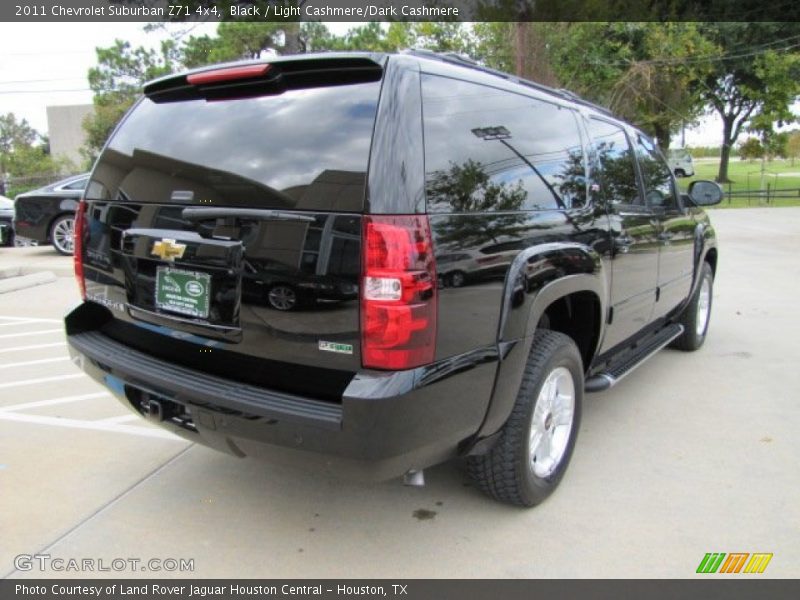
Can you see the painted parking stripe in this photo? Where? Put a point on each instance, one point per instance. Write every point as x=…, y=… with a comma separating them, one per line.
x=31, y=319
x=13, y=323
x=10, y=384
x=33, y=347
x=41, y=361
x=29, y=333
x=91, y=425
x=53, y=401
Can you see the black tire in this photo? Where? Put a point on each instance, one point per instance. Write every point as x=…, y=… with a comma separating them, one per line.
x=693, y=334
x=457, y=279
x=507, y=471
x=62, y=232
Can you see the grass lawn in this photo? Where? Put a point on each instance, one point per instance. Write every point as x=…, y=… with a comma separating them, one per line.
x=746, y=175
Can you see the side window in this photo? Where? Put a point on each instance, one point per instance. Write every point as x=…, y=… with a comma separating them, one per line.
x=77, y=185
x=658, y=187
x=616, y=176
x=492, y=150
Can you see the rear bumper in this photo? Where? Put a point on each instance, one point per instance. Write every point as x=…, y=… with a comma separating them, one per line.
x=386, y=424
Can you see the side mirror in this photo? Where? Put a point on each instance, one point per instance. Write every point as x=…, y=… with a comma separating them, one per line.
x=705, y=193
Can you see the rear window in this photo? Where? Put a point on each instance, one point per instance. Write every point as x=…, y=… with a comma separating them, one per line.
x=303, y=149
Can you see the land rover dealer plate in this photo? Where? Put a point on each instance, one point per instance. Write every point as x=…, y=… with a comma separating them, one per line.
x=184, y=292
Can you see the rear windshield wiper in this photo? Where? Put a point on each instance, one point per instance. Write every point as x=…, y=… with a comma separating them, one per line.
x=215, y=212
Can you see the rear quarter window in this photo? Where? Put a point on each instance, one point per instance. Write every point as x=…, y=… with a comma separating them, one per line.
x=493, y=150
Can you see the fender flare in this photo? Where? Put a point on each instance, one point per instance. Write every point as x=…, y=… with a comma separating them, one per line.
x=705, y=240
x=566, y=268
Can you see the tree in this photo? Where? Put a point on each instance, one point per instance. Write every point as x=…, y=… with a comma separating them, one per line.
x=751, y=149
x=660, y=88
x=25, y=156
x=117, y=81
x=645, y=72
x=793, y=146
x=753, y=82
x=15, y=134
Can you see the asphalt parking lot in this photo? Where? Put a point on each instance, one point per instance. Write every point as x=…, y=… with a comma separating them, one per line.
x=692, y=453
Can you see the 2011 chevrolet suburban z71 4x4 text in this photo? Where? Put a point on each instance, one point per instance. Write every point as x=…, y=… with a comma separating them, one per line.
x=258, y=252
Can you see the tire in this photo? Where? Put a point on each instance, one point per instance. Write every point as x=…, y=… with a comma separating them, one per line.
x=282, y=297
x=697, y=315
x=512, y=471
x=62, y=233
x=457, y=279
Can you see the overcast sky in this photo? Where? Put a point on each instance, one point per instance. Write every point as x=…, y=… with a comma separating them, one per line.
x=45, y=64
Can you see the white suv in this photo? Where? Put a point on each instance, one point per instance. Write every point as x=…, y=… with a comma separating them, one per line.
x=680, y=161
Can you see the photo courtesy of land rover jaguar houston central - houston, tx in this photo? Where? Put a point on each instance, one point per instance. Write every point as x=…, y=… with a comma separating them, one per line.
x=370, y=264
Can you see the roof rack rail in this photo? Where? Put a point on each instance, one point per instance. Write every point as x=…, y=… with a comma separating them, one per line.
x=465, y=61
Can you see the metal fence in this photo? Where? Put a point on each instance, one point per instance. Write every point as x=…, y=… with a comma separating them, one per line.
x=13, y=186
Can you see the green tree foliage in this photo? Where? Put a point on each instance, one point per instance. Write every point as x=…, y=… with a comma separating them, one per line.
x=25, y=160
x=751, y=149
x=645, y=72
x=753, y=82
x=117, y=81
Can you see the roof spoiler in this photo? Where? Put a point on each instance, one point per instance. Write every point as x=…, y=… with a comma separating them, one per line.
x=243, y=80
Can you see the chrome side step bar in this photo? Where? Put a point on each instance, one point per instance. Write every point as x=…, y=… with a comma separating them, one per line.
x=610, y=377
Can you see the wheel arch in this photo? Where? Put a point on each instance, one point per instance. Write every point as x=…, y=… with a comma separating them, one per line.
x=572, y=278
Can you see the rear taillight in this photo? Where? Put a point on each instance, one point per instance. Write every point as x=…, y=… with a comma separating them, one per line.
x=80, y=221
x=398, y=293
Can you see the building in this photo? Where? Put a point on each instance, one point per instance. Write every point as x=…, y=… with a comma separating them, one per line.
x=65, y=129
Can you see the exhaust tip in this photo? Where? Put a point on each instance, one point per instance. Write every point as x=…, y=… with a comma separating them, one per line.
x=414, y=478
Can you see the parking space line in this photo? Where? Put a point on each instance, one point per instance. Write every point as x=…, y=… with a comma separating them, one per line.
x=31, y=319
x=33, y=347
x=92, y=425
x=40, y=380
x=52, y=402
x=27, y=333
x=10, y=323
x=119, y=419
x=41, y=361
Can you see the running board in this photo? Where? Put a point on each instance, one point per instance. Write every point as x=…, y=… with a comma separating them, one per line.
x=606, y=379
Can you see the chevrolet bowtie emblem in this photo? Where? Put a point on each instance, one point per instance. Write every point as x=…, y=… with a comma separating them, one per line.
x=168, y=249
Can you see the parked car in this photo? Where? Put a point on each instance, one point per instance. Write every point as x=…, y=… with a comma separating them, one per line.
x=6, y=221
x=368, y=167
x=47, y=215
x=285, y=287
x=680, y=161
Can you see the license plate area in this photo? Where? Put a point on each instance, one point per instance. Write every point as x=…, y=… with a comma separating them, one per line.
x=183, y=292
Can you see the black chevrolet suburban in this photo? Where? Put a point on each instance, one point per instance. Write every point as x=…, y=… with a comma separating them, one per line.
x=258, y=252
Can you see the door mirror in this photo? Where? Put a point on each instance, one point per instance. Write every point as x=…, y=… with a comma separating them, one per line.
x=705, y=193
